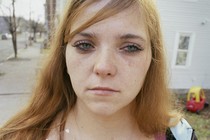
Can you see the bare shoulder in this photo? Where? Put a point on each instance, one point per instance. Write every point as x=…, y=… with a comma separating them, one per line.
x=53, y=135
x=142, y=136
x=54, y=131
x=148, y=138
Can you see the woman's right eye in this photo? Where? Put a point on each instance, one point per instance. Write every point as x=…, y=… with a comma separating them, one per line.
x=84, y=46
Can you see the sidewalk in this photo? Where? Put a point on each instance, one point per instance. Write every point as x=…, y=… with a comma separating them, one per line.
x=18, y=76
x=17, y=79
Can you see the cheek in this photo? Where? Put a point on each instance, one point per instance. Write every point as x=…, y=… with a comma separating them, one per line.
x=133, y=79
x=73, y=72
x=72, y=60
x=77, y=66
x=137, y=70
x=139, y=77
x=71, y=63
x=139, y=66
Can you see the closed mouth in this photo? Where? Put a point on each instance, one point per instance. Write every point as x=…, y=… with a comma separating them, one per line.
x=103, y=91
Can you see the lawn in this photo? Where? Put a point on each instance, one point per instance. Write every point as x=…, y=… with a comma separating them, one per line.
x=200, y=122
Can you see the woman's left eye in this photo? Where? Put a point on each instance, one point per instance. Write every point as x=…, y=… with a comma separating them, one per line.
x=131, y=48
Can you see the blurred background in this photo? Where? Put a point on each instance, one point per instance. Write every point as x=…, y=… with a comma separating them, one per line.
x=26, y=27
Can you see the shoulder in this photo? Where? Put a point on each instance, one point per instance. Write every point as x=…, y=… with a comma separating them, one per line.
x=181, y=131
x=54, y=130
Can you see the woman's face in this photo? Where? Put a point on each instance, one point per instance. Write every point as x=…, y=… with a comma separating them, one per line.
x=108, y=61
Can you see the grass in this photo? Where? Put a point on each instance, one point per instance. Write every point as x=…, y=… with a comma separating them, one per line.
x=200, y=122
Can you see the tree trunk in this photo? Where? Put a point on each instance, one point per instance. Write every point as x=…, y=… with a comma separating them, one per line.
x=14, y=43
x=34, y=35
x=11, y=21
x=14, y=28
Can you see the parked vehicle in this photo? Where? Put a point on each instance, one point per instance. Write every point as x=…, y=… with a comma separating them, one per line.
x=196, y=99
x=6, y=36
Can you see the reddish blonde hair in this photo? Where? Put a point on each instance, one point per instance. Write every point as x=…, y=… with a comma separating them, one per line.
x=54, y=94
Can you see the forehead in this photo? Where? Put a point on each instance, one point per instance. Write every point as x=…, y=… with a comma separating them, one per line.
x=93, y=9
x=88, y=13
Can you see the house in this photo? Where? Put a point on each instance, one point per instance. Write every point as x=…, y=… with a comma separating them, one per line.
x=186, y=30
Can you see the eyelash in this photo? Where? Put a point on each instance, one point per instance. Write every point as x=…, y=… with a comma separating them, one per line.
x=82, y=46
x=132, y=48
x=87, y=46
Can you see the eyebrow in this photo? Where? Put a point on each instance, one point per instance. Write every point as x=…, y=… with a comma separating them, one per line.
x=88, y=35
x=132, y=36
x=122, y=37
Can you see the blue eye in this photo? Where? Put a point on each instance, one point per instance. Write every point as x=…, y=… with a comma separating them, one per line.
x=84, y=46
x=132, y=48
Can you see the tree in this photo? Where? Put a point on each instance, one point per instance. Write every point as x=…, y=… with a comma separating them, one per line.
x=11, y=22
x=36, y=27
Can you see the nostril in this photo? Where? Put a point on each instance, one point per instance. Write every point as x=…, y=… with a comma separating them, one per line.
x=104, y=66
x=103, y=73
x=102, y=70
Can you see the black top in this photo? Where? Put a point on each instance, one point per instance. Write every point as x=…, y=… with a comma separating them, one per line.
x=170, y=136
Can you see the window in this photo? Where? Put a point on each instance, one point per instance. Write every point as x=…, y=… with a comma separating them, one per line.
x=183, y=51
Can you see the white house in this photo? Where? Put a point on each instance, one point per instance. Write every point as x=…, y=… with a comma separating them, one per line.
x=186, y=30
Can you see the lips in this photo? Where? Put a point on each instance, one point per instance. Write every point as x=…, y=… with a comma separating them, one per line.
x=103, y=91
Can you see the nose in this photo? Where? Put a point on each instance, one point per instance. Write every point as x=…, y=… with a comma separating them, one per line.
x=105, y=64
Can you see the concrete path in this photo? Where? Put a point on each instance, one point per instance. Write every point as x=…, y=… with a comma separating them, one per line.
x=17, y=79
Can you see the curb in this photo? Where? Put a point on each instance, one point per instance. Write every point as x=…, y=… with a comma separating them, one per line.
x=12, y=55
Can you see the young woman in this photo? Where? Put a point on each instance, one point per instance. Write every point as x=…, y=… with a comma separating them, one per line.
x=105, y=79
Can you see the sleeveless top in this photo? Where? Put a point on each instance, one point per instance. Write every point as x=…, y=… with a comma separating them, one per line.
x=182, y=131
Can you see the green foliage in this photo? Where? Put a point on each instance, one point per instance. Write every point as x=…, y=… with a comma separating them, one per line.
x=201, y=124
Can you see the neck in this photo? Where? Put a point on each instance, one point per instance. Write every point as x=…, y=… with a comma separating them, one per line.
x=96, y=126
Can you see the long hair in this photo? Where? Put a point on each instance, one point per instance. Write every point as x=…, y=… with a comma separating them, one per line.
x=55, y=96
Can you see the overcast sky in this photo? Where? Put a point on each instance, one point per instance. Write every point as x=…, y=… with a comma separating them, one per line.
x=24, y=7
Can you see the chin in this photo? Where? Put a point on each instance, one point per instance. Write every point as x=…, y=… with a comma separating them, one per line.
x=105, y=110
